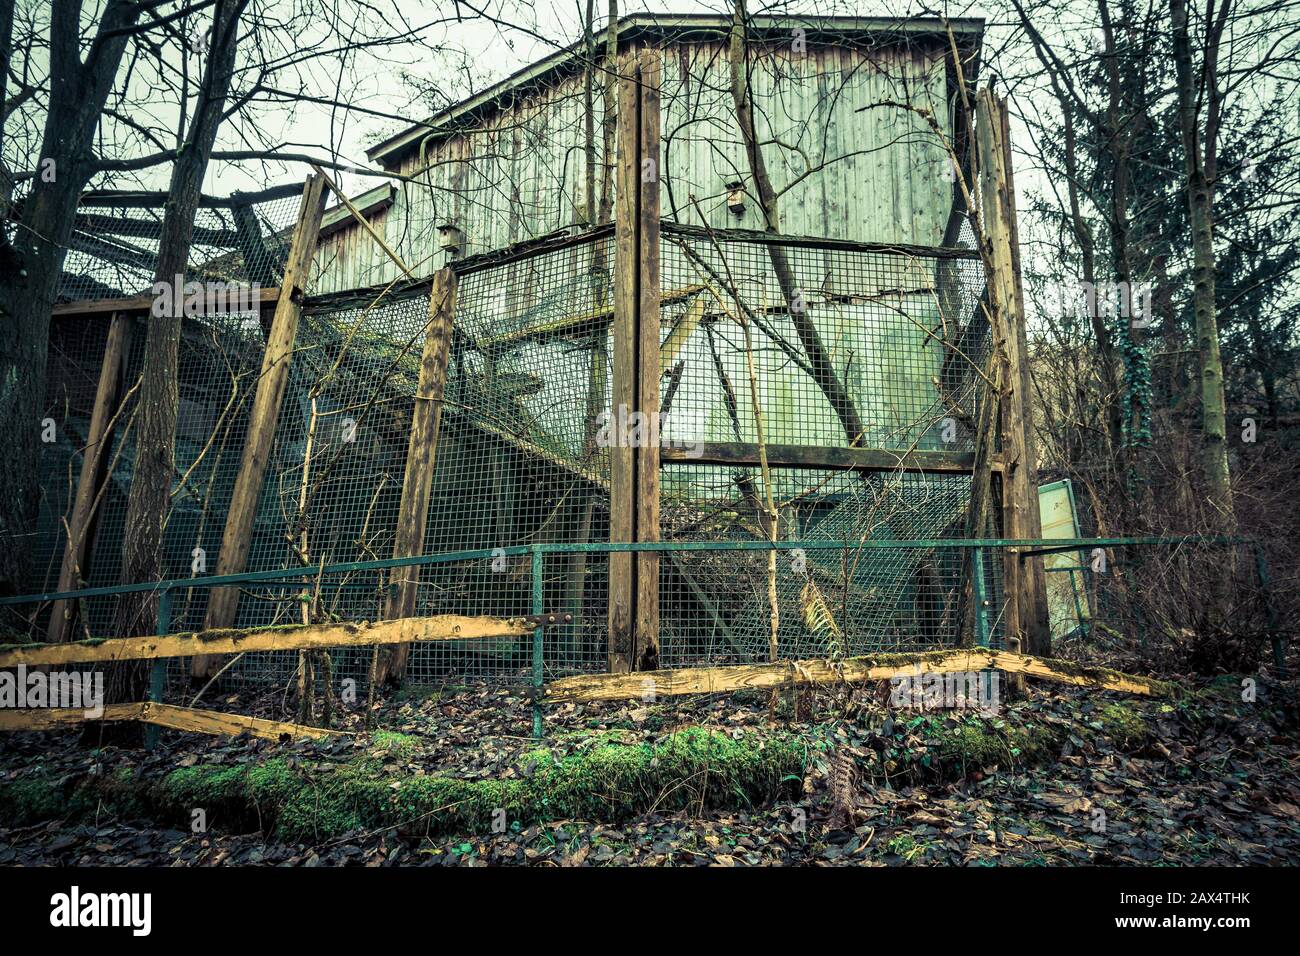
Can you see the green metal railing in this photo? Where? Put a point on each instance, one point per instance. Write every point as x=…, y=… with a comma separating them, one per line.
x=979, y=548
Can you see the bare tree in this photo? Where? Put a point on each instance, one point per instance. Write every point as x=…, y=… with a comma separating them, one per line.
x=31, y=261
x=149, y=503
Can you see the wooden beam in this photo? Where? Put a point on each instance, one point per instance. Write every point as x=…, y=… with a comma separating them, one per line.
x=150, y=229
x=623, y=368
x=824, y=457
x=1034, y=617
x=421, y=457
x=581, y=325
x=137, y=199
x=56, y=718
x=365, y=223
x=369, y=203
x=681, y=332
x=229, y=725
x=94, y=466
x=138, y=304
x=645, y=636
x=162, y=715
x=442, y=627
x=712, y=680
x=265, y=413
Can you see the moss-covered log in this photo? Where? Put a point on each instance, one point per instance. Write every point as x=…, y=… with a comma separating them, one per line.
x=316, y=802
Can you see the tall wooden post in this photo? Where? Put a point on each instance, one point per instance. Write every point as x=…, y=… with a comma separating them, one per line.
x=94, y=471
x=271, y=383
x=1034, y=617
x=1025, y=616
x=421, y=456
x=646, y=632
x=634, y=471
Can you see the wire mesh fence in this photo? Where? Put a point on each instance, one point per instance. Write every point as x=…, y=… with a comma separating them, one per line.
x=1149, y=603
x=818, y=344
x=851, y=343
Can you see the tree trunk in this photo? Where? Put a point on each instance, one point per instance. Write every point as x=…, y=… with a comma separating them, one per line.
x=149, y=502
x=819, y=360
x=30, y=267
x=1200, y=205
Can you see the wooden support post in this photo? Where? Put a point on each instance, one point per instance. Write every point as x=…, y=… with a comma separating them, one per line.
x=421, y=457
x=649, y=369
x=1034, y=614
x=271, y=384
x=622, y=463
x=1023, y=615
x=634, y=471
x=94, y=471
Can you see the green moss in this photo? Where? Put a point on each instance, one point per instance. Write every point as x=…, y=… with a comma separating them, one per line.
x=975, y=743
x=1124, y=725
x=608, y=781
x=30, y=800
x=398, y=745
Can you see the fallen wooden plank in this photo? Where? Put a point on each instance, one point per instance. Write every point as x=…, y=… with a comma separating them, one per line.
x=444, y=627
x=215, y=722
x=1067, y=672
x=709, y=680
x=162, y=715
x=53, y=718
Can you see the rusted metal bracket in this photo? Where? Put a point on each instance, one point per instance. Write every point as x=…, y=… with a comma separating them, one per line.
x=548, y=620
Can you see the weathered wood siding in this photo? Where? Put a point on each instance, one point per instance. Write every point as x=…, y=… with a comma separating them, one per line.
x=850, y=165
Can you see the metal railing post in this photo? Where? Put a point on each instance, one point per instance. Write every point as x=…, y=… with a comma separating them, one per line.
x=1270, y=612
x=981, y=598
x=538, y=596
x=158, y=674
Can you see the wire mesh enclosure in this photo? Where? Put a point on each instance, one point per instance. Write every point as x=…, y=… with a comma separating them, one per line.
x=523, y=453
x=113, y=251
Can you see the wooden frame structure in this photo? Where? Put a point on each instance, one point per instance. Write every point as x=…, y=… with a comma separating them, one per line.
x=637, y=362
